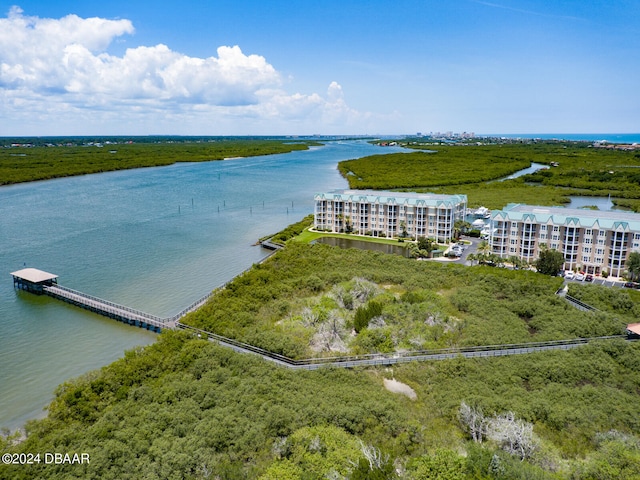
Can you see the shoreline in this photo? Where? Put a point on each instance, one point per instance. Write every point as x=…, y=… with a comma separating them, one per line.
x=18, y=162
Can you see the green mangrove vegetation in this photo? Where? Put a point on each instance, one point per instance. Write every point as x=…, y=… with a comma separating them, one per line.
x=304, y=301
x=292, y=231
x=575, y=168
x=450, y=166
x=22, y=163
x=185, y=408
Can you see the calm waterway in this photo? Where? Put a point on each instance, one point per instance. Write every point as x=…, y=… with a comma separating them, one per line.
x=155, y=239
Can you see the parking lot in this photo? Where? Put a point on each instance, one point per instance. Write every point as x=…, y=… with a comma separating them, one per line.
x=579, y=278
x=596, y=280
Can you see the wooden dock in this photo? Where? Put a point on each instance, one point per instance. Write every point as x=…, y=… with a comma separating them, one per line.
x=44, y=283
x=109, y=309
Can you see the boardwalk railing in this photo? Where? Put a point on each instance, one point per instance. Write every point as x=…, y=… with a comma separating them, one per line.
x=106, y=307
x=139, y=318
x=202, y=300
x=127, y=314
x=580, y=304
x=191, y=308
x=395, y=358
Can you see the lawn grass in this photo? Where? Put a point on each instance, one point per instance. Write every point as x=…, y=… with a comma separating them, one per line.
x=309, y=236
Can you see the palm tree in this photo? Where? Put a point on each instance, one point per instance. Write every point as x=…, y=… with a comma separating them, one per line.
x=403, y=227
x=484, y=247
x=633, y=265
x=484, y=251
x=347, y=224
x=516, y=261
x=472, y=257
x=460, y=227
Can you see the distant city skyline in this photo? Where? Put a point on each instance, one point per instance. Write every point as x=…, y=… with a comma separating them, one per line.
x=328, y=68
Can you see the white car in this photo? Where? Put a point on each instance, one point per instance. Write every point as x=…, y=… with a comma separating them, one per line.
x=580, y=277
x=569, y=275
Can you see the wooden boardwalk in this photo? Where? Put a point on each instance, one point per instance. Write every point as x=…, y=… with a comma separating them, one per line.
x=39, y=282
x=379, y=360
x=109, y=309
x=45, y=283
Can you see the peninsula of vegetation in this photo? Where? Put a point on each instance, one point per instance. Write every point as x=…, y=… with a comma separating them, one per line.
x=574, y=168
x=187, y=408
x=26, y=160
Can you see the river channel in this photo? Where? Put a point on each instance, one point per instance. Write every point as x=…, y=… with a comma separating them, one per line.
x=155, y=239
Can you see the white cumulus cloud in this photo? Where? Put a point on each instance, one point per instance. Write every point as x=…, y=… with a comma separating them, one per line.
x=68, y=56
x=61, y=67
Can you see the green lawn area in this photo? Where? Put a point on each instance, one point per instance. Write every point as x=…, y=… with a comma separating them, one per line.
x=307, y=236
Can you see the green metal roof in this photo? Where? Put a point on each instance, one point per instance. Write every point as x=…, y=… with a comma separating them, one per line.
x=575, y=217
x=397, y=198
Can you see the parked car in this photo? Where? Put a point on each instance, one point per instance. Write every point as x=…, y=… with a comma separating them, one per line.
x=588, y=278
x=632, y=285
x=569, y=275
x=579, y=277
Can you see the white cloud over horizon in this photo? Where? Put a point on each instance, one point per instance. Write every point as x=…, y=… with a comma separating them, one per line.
x=55, y=73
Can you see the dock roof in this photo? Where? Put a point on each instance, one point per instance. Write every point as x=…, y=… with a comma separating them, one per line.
x=34, y=275
x=634, y=328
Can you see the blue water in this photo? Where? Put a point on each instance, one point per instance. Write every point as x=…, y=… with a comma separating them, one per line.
x=525, y=171
x=155, y=239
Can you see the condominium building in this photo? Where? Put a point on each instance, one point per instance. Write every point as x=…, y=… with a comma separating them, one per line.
x=389, y=214
x=590, y=240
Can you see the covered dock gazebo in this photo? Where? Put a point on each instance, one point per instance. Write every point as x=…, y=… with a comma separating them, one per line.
x=633, y=330
x=33, y=280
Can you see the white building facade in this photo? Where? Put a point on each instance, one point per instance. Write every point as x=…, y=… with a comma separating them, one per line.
x=591, y=240
x=389, y=214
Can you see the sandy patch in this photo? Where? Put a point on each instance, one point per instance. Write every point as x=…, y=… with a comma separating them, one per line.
x=399, y=387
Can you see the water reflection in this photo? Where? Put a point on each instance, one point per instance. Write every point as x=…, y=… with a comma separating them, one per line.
x=364, y=245
x=602, y=203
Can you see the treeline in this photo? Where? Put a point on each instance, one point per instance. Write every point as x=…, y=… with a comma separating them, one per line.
x=579, y=170
x=446, y=166
x=599, y=173
x=25, y=164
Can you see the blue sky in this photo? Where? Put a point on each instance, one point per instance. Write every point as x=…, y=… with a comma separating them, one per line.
x=318, y=67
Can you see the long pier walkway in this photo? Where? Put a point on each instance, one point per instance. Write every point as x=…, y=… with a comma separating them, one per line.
x=109, y=309
x=43, y=283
